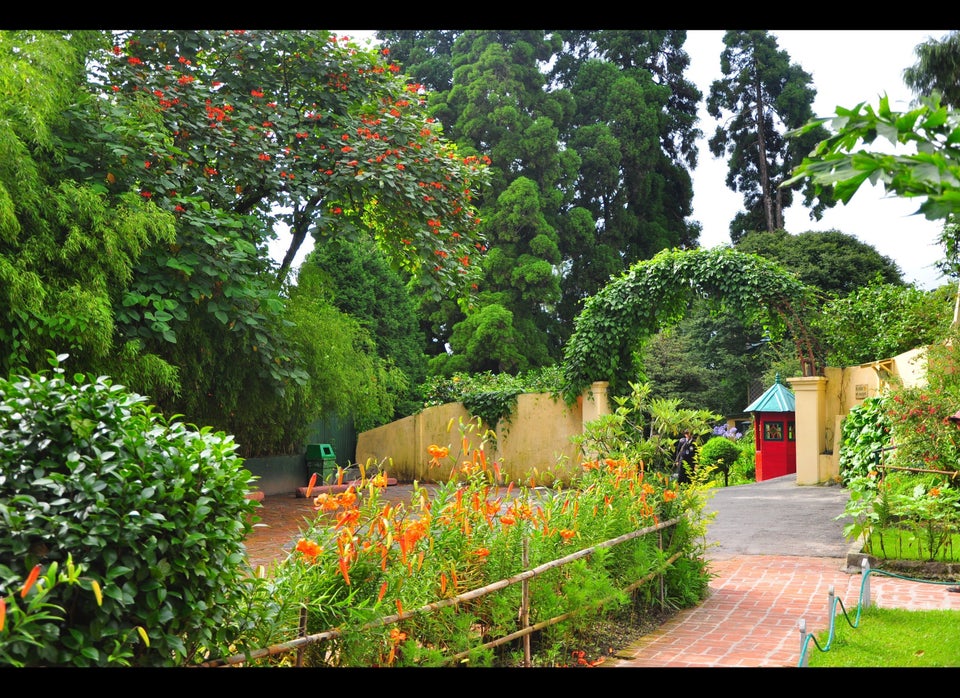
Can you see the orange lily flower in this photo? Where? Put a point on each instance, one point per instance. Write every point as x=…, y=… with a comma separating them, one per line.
x=347, y=499
x=436, y=453
x=313, y=481
x=325, y=502
x=348, y=519
x=308, y=548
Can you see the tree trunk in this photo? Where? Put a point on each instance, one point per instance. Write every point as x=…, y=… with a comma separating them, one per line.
x=762, y=151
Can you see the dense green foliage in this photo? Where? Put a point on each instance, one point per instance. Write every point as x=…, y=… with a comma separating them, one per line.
x=702, y=359
x=864, y=435
x=66, y=251
x=349, y=377
x=153, y=510
x=878, y=321
x=657, y=292
x=358, y=281
x=832, y=261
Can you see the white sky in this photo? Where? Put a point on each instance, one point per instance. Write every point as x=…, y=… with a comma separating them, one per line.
x=848, y=67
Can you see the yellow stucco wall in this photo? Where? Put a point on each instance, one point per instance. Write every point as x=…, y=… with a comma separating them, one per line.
x=823, y=401
x=534, y=442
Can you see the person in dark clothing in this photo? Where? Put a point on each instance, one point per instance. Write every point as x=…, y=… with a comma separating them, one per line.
x=684, y=460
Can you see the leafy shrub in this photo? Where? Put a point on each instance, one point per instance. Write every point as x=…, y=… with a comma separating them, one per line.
x=153, y=511
x=864, y=433
x=720, y=453
x=745, y=468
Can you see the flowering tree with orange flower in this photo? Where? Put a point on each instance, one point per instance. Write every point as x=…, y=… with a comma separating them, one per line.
x=231, y=139
x=324, y=138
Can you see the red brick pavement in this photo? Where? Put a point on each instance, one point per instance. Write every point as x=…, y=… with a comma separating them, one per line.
x=756, y=602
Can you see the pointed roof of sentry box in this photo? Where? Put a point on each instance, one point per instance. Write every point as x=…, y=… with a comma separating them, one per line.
x=777, y=398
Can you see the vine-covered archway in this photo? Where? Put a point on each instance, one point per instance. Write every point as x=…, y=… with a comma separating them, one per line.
x=655, y=293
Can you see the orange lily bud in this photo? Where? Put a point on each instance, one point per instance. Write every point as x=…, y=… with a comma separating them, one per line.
x=31, y=580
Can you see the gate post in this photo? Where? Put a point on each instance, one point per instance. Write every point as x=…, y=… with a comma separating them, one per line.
x=594, y=402
x=811, y=435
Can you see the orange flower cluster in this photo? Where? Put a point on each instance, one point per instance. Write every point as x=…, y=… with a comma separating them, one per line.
x=308, y=549
x=326, y=501
x=409, y=535
x=396, y=638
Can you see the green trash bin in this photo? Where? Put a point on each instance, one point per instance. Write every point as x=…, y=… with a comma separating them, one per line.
x=321, y=460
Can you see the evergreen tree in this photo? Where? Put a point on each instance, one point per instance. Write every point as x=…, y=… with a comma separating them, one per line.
x=498, y=105
x=634, y=133
x=937, y=69
x=762, y=96
x=600, y=126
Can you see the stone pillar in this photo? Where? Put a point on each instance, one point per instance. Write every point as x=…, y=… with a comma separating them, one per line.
x=594, y=402
x=810, y=393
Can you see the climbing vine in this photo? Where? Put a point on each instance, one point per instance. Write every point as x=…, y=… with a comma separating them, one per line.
x=655, y=293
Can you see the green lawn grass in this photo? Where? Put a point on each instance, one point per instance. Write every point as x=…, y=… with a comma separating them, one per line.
x=886, y=637
x=901, y=544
